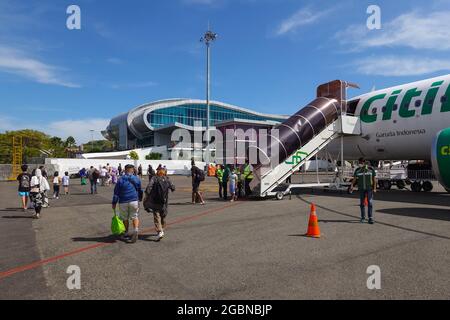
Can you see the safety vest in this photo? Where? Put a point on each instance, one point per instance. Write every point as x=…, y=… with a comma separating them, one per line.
x=219, y=173
x=248, y=174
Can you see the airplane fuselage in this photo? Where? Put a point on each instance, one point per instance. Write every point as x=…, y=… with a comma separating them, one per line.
x=399, y=123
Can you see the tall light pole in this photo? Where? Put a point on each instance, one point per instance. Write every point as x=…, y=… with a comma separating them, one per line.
x=208, y=38
x=92, y=140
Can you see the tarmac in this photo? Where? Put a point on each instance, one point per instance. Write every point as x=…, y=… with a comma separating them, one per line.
x=254, y=249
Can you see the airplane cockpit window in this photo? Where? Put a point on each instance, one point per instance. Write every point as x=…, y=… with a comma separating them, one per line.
x=351, y=106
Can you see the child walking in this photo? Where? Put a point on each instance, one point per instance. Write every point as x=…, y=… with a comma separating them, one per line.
x=66, y=182
x=56, y=185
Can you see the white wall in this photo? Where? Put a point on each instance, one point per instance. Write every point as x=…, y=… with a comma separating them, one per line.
x=174, y=167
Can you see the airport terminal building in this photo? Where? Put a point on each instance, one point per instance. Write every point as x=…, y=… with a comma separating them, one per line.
x=151, y=125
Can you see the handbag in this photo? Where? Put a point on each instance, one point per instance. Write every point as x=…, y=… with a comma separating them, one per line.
x=117, y=226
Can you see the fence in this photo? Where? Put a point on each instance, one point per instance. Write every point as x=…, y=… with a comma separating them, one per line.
x=7, y=169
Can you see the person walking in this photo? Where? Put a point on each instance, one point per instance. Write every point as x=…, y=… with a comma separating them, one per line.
x=93, y=179
x=119, y=169
x=56, y=185
x=233, y=185
x=140, y=171
x=39, y=186
x=128, y=193
x=225, y=179
x=66, y=182
x=248, y=176
x=150, y=172
x=24, y=186
x=157, y=200
x=219, y=176
x=365, y=178
x=198, y=176
x=103, y=176
x=83, y=174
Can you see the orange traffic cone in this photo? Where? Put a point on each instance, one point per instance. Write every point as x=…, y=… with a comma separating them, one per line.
x=313, y=226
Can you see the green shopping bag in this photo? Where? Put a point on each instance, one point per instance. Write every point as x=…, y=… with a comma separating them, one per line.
x=83, y=181
x=117, y=226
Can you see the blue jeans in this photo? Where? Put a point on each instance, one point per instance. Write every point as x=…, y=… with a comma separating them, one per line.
x=362, y=197
x=93, y=186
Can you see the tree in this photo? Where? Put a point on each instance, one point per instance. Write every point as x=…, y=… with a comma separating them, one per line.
x=134, y=155
x=70, y=142
x=153, y=156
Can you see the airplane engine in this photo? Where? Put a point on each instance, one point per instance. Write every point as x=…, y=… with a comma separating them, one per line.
x=440, y=157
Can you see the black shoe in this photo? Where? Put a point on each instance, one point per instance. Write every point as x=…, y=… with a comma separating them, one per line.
x=124, y=237
x=371, y=221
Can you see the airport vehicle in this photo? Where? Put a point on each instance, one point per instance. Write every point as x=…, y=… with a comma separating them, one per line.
x=410, y=121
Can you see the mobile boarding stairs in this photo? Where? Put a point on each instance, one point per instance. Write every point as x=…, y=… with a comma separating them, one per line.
x=302, y=137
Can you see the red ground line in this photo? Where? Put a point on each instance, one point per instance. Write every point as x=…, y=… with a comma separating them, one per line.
x=36, y=264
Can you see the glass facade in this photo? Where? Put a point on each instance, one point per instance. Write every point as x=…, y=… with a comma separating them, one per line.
x=190, y=113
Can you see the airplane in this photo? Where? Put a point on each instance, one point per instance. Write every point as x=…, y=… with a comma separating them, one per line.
x=406, y=122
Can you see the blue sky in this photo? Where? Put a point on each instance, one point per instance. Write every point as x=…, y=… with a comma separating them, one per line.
x=270, y=54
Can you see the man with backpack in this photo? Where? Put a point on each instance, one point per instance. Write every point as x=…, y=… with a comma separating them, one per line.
x=94, y=174
x=128, y=193
x=157, y=200
x=198, y=176
x=24, y=186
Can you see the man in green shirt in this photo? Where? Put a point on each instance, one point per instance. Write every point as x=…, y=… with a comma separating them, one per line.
x=365, y=177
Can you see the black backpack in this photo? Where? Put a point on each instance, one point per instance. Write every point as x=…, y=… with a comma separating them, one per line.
x=25, y=182
x=200, y=175
x=159, y=192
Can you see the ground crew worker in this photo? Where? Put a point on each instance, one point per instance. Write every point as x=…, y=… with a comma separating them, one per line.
x=365, y=177
x=248, y=176
x=219, y=176
x=225, y=178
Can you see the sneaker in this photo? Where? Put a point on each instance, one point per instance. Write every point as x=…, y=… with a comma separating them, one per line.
x=38, y=216
x=362, y=220
x=124, y=237
x=161, y=235
x=133, y=237
x=371, y=221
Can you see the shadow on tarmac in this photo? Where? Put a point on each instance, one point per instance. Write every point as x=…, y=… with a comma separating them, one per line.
x=428, y=213
x=17, y=217
x=431, y=198
x=104, y=239
x=404, y=210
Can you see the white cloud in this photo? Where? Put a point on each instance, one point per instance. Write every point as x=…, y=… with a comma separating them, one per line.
x=16, y=62
x=416, y=30
x=300, y=18
x=400, y=66
x=136, y=85
x=79, y=129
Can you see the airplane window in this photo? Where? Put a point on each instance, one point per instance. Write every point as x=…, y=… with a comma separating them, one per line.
x=444, y=99
x=374, y=110
x=395, y=107
x=383, y=110
x=418, y=103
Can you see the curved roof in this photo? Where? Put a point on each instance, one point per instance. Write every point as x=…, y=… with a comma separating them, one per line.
x=137, y=117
